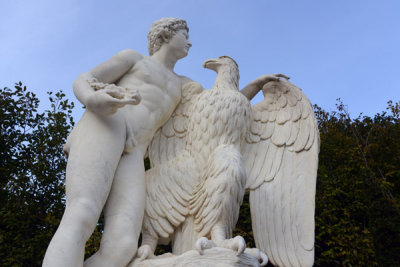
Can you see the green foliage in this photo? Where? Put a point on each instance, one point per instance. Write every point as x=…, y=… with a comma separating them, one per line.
x=357, y=208
x=32, y=168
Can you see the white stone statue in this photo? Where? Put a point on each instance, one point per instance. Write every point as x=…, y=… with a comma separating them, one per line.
x=127, y=98
x=213, y=148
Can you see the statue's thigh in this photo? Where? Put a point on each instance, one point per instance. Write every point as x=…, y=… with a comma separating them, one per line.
x=124, y=209
x=94, y=155
x=128, y=189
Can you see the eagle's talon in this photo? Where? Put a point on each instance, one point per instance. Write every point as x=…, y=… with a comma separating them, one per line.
x=240, y=243
x=237, y=244
x=258, y=254
x=145, y=252
x=203, y=243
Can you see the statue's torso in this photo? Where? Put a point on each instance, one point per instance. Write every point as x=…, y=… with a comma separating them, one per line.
x=160, y=90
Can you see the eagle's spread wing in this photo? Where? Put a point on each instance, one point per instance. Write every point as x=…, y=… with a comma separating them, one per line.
x=281, y=153
x=170, y=138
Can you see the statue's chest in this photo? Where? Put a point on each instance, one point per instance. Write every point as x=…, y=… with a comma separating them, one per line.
x=153, y=73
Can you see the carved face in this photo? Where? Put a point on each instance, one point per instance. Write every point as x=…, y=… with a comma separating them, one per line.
x=179, y=44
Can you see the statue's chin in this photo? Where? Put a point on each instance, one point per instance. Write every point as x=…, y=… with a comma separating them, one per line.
x=183, y=54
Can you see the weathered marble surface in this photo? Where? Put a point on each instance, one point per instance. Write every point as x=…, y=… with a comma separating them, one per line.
x=207, y=147
x=127, y=99
x=213, y=148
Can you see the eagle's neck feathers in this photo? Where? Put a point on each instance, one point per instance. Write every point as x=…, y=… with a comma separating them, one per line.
x=227, y=79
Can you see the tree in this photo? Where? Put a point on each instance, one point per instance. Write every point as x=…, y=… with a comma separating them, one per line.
x=32, y=169
x=357, y=208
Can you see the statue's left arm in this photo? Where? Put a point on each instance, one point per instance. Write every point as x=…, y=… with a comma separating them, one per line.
x=256, y=85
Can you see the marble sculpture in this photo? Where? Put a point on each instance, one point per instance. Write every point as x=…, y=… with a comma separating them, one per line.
x=206, y=147
x=216, y=146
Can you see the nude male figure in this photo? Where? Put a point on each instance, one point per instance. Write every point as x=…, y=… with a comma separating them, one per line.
x=99, y=175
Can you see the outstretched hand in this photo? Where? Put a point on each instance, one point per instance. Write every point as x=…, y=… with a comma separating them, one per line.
x=108, y=98
x=262, y=80
x=256, y=85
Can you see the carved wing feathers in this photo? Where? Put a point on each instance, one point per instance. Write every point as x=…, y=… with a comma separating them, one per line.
x=167, y=198
x=281, y=153
x=169, y=140
x=218, y=196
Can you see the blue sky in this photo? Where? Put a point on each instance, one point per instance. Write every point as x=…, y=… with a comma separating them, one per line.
x=331, y=49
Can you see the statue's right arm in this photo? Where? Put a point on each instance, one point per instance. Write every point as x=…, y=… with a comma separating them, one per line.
x=107, y=72
x=256, y=85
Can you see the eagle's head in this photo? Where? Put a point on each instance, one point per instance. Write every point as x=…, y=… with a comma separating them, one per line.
x=226, y=67
x=216, y=64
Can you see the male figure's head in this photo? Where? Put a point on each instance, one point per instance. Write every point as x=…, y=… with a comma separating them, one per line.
x=163, y=29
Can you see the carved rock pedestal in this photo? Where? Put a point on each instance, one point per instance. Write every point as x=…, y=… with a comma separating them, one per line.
x=214, y=257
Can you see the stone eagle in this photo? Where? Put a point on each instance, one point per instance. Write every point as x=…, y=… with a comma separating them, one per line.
x=213, y=149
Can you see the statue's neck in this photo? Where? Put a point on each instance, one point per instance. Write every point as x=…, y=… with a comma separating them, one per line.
x=165, y=58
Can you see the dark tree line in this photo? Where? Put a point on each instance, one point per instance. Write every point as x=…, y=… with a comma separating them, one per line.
x=32, y=168
x=358, y=187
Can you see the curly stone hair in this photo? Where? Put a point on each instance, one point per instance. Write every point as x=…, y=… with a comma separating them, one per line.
x=168, y=26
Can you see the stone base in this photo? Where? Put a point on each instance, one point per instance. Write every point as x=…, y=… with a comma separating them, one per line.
x=218, y=257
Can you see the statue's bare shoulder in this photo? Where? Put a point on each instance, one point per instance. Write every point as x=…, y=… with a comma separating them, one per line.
x=115, y=67
x=128, y=56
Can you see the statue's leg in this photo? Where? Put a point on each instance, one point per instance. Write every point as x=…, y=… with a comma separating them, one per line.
x=93, y=157
x=123, y=214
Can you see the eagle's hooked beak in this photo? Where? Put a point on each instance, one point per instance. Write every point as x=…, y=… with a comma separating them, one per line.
x=211, y=64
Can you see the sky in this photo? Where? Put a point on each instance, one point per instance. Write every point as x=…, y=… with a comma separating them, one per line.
x=348, y=49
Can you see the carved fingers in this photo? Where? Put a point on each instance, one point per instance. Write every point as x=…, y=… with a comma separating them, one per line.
x=282, y=76
x=262, y=80
x=125, y=95
x=108, y=98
